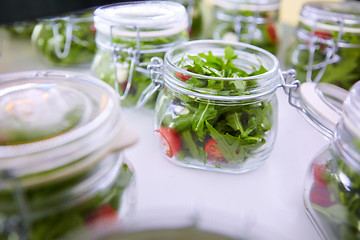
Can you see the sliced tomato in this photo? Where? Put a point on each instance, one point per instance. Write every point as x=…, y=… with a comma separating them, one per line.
x=319, y=173
x=271, y=30
x=323, y=35
x=170, y=140
x=182, y=77
x=321, y=196
x=105, y=213
x=213, y=152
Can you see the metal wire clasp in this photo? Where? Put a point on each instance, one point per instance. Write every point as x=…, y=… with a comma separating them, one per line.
x=155, y=68
x=58, y=39
x=134, y=56
x=291, y=86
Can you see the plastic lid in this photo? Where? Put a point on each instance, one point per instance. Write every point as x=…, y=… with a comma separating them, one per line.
x=249, y=5
x=329, y=15
x=153, y=18
x=51, y=118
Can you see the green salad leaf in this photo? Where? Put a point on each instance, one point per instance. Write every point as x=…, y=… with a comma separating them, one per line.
x=238, y=129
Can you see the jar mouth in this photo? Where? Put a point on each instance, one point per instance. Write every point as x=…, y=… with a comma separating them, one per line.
x=150, y=18
x=249, y=57
x=90, y=125
x=249, y=5
x=332, y=16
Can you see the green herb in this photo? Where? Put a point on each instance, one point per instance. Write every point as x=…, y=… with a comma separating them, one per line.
x=262, y=35
x=82, y=48
x=344, y=72
x=103, y=67
x=53, y=213
x=239, y=128
x=342, y=216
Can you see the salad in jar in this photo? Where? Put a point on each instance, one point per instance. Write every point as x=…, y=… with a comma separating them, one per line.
x=334, y=197
x=67, y=40
x=214, y=122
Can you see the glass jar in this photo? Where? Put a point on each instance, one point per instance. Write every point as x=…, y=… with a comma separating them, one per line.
x=128, y=36
x=61, y=162
x=193, y=8
x=332, y=189
x=175, y=224
x=225, y=123
x=21, y=29
x=248, y=21
x=66, y=40
x=327, y=45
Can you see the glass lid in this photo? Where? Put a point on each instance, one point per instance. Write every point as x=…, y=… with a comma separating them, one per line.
x=50, y=114
x=152, y=18
x=250, y=5
x=332, y=15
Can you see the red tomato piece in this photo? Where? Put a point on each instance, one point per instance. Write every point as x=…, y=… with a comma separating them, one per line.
x=319, y=173
x=92, y=28
x=213, y=151
x=271, y=30
x=323, y=35
x=170, y=140
x=182, y=77
x=102, y=214
x=321, y=196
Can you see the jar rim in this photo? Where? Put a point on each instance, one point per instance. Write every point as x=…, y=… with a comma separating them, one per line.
x=249, y=5
x=57, y=150
x=74, y=17
x=152, y=18
x=331, y=15
x=271, y=76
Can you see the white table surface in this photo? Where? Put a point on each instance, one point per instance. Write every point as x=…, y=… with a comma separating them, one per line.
x=268, y=201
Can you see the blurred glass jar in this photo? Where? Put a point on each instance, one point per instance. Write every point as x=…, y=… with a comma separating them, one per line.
x=217, y=109
x=248, y=21
x=61, y=162
x=66, y=40
x=175, y=224
x=195, y=14
x=21, y=29
x=128, y=36
x=327, y=45
x=332, y=189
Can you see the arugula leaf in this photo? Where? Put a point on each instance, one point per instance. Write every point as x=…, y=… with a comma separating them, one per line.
x=189, y=144
x=229, y=146
x=205, y=112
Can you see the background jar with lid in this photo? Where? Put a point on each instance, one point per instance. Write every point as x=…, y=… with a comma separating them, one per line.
x=327, y=45
x=66, y=40
x=128, y=35
x=62, y=165
x=247, y=21
x=195, y=14
x=332, y=187
x=218, y=108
